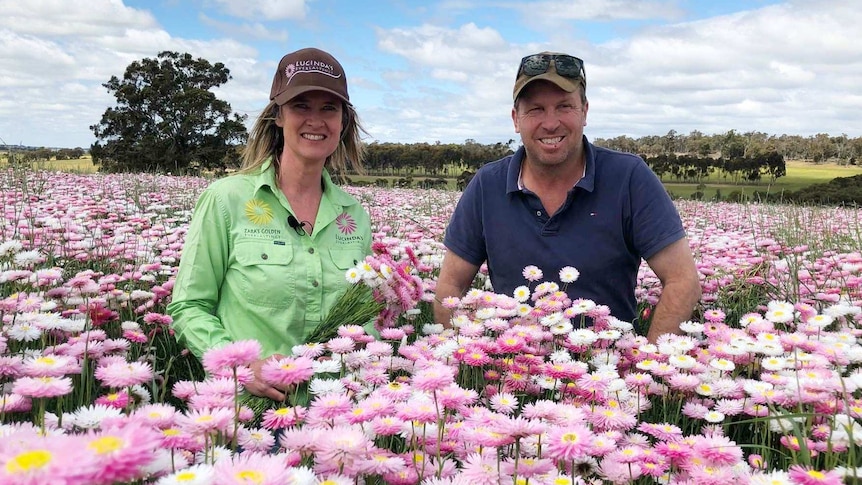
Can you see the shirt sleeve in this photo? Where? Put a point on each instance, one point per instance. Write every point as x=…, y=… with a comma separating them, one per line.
x=203, y=263
x=655, y=220
x=465, y=232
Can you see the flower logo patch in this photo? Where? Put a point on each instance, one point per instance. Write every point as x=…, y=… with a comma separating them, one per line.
x=258, y=212
x=345, y=223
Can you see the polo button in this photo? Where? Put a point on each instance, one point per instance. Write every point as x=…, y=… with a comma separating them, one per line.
x=539, y=213
x=264, y=256
x=315, y=283
x=310, y=250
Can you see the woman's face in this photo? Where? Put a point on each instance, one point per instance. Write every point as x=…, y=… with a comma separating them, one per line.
x=311, y=123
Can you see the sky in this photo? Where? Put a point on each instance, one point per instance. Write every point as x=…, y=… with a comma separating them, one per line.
x=443, y=70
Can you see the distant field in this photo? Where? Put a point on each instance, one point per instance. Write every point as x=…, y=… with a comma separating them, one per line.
x=799, y=175
x=80, y=165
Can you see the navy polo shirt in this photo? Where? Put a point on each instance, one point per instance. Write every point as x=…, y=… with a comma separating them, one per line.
x=618, y=213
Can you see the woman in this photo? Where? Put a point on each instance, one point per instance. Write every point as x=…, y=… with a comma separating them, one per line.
x=267, y=249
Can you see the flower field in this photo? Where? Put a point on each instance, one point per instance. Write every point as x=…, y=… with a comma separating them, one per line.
x=763, y=387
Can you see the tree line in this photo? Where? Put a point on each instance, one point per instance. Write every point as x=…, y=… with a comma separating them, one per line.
x=818, y=148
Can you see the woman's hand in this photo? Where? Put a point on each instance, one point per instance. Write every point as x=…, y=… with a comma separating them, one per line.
x=261, y=388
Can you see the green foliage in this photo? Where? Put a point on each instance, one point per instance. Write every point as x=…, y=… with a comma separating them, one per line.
x=841, y=190
x=740, y=169
x=436, y=159
x=167, y=119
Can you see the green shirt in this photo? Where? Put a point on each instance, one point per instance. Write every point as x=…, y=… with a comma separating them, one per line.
x=246, y=274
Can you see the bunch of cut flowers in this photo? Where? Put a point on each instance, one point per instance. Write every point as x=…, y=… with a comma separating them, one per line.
x=384, y=285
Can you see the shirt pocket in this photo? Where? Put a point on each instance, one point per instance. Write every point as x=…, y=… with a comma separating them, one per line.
x=266, y=275
x=346, y=258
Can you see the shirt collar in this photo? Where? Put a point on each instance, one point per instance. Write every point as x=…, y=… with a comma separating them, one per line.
x=266, y=178
x=514, y=181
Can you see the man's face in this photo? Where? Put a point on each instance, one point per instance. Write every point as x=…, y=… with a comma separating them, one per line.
x=551, y=123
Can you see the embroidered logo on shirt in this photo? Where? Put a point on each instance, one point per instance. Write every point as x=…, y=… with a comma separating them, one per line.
x=258, y=212
x=345, y=223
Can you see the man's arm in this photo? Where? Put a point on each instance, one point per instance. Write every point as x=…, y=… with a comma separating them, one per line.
x=675, y=268
x=456, y=274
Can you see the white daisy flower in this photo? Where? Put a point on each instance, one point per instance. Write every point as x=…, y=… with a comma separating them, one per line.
x=714, y=417
x=90, y=417
x=722, y=364
x=583, y=336
x=28, y=258
x=319, y=387
x=10, y=247
x=521, y=294
x=568, y=274
x=23, y=332
x=682, y=361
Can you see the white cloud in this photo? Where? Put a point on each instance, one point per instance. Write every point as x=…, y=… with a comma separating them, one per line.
x=268, y=9
x=554, y=11
x=72, y=18
x=254, y=30
x=767, y=69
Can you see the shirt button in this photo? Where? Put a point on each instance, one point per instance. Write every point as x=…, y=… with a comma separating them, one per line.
x=264, y=256
x=539, y=213
x=315, y=283
x=310, y=250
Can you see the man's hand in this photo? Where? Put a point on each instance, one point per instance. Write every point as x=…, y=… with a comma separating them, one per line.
x=456, y=274
x=261, y=388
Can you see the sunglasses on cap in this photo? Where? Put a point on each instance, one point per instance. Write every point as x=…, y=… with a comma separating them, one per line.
x=565, y=65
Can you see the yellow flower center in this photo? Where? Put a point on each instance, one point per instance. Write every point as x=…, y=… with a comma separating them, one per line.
x=250, y=476
x=570, y=438
x=185, y=476
x=106, y=444
x=28, y=461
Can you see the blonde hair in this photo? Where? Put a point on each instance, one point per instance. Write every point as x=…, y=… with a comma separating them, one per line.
x=266, y=142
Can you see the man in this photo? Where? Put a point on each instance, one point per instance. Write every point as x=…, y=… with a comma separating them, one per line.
x=561, y=201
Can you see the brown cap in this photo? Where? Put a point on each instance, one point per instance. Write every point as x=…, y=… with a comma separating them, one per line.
x=567, y=84
x=305, y=70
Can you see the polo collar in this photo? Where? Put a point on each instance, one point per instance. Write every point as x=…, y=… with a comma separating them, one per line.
x=587, y=182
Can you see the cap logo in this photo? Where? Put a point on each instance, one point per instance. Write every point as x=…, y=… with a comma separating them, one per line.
x=310, y=66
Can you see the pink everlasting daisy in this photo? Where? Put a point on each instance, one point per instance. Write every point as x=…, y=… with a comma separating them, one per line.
x=32, y=459
x=42, y=387
x=256, y=440
x=342, y=447
x=283, y=417
x=14, y=403
x=433, y=377
x=380, y=463
x=122, y=452
x=568, y=442
x=124, y=374
x=802, y=475
x=117, y=400
x=481, y=470
x=201, y=421
x=234, y=354
x=330, y=406
x=287, y=371
x=251, y=468
x=50, y=365
x=386, y=425
x=532, y=273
